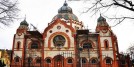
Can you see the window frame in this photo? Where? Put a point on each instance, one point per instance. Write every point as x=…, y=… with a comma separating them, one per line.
x=47, y=61
x=16, y=58
x=29, y=60
x=36, y=45
x=107, y=62
x=38, y=60
x=88, y=45
x=18, y=45
x=106, y=44
x=84, y=60
x=93, y=62
x=59, y=43
x=71, y=61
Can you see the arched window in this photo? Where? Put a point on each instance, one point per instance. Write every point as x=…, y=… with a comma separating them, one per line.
x=16, y=59
x=38, y=60
x=108, y=61
x=18, y=45
x=87, y=45
x=59, y=41
x=83, y=60
x=106, y=44
x=34, y=45
x=70, y=61
x=29, y=60
x=93, y=61
x=48, y=60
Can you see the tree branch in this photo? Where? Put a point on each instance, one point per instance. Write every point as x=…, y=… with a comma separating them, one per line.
x=118, y=4
x=102, y=5
x=8, y=12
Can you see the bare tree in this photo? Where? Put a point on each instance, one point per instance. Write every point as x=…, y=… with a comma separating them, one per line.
x=104, y=6
x=130, y=51
x=8, y=11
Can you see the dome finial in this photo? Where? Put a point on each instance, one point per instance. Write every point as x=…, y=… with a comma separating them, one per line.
x=101, y=18
x=65, y=3
x=25, y=17
x=24, y=22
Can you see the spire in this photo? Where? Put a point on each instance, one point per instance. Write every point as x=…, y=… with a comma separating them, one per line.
x=65, y=3
x=102, y=21
x=101, y=18
x=25, y=17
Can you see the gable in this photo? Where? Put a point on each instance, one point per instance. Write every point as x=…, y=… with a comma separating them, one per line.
x=55, y=23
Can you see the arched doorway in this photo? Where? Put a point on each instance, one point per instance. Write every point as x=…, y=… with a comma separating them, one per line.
x=58, y=61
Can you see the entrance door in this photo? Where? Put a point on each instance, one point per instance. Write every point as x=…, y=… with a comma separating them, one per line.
x=58, y=61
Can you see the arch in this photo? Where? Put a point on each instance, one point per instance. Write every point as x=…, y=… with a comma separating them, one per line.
x=18, y=45
x=59, y=41
x=34, y=45
x=87, y=45
x=58, y=33
x=87, y=41
x=29, y=59
x=48, y=60
x=17, y=59
x=93, y=60
x=58, y=56
x=38, y=60
x=108, y=60
x=84, y=60
x=106, y=44
x=58, y=60
x=70, y=60
x=56, y=22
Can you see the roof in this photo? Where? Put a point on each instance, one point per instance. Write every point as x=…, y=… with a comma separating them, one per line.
x=24, y=22
x=82, y=31
x=65, y=12
x=35, y=34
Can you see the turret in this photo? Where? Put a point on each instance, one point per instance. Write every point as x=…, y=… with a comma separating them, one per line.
x=102, y=25
x=23, y=27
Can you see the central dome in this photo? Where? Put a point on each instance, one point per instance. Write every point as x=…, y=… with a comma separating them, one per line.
x=66, y=13
x=65, y=9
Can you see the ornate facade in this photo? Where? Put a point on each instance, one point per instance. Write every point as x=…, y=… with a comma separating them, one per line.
x=65, y=43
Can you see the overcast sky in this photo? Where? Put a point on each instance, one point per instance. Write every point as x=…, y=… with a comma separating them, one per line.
x=40, y=13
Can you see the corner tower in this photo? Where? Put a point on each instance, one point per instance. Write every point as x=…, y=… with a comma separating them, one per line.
x=19, y=42
x=107, y=42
